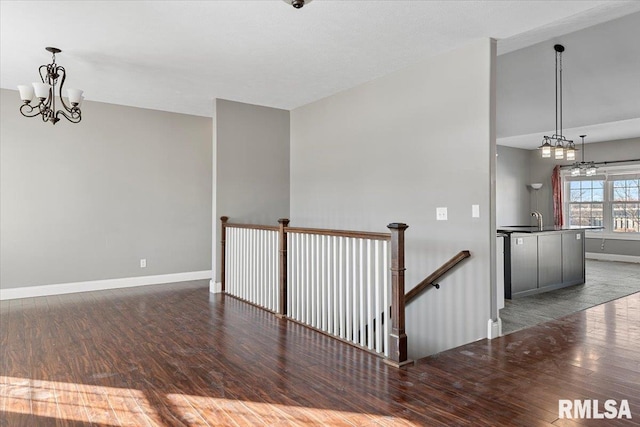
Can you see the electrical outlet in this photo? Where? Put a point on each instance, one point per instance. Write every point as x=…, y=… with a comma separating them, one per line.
x=441, y=214
x=143, y=263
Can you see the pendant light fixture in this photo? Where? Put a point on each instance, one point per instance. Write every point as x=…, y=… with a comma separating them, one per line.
x=46, y=92
x=583, y=168
x=557, y=145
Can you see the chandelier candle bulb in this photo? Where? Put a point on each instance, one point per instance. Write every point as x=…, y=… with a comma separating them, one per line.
x=26, y=93
x=546, y=148
x=559, y=151
x=74, y=95
x=41, y=90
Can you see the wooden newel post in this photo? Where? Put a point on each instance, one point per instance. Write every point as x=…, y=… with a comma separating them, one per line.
x=282, y=239
x=397, y=336
x=223, y=238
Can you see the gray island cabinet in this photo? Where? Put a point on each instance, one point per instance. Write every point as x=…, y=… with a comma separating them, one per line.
x=541, y=259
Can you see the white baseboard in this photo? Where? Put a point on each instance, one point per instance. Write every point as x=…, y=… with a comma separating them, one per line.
x=494, y=329
x=215, y=287
x=612, y=257
x=99, y=285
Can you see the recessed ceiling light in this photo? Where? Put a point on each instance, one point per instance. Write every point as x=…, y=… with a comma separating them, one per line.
x=297, y=3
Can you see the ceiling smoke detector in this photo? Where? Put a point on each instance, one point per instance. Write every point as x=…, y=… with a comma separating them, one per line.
x=297, y=3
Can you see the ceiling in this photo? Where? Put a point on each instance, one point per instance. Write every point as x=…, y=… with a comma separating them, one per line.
x=179, y=55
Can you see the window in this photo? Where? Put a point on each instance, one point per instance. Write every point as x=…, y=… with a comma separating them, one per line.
x=586, y=206
x=610, y=199
x=626, y=206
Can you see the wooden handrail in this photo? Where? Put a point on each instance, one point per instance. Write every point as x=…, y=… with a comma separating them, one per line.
x=433, y=277
x=340, y=233
x=251, y=226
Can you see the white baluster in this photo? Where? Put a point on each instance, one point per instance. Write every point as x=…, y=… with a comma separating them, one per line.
x=385, y=287
x=378, y=291
x=354, y=289
x=341, y=295
x=362, y=297
x=275, y=270
x=369, y=297
x=312, y=262
x=323, y=283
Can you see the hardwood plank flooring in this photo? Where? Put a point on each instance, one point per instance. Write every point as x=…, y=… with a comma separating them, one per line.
x=175, y=355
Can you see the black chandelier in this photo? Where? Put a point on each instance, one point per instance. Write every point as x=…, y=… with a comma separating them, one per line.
x=46, y=91
x=557, y=143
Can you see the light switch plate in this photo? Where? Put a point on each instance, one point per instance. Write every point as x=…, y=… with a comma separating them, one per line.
x=441, y=214
x=578, y=236
x=519, y=241
x=475, y=211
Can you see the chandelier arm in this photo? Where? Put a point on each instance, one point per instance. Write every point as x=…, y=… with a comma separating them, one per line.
x=74, y=117
x=53, y=79
x=63, y=75
x=44, y=77
x=28, y=111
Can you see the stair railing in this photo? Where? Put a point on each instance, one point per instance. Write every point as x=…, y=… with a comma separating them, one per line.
x=342, y=283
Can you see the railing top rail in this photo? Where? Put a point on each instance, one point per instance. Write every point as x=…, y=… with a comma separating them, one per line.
x=252, y=226
x=340, y=233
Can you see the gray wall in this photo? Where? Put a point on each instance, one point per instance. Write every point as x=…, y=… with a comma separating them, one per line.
x=541, y=170
x=81, y=202
x=513, y=204
x=394, y=149
x=613, y=247
x=252, y=164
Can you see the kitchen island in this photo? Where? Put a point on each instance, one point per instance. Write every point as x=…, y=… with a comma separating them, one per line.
x=541, y=259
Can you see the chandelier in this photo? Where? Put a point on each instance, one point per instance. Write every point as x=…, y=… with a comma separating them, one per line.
x=557, y=143
x=583, y=168
x=45, y=92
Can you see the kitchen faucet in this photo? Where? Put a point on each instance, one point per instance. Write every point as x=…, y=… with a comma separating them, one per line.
x=538, y=216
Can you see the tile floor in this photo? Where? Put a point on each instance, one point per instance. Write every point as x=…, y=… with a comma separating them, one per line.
x=606, y=281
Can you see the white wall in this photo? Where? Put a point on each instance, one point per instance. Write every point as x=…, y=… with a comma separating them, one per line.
x=252, y=165
x=85, y=202
x=394, y=149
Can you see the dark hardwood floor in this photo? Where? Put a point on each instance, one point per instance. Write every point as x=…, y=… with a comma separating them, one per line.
x=175, y=355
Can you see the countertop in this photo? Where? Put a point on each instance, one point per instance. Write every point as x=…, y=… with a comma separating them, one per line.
x=535, y=229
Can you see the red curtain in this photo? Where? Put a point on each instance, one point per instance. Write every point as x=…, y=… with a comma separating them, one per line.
x=556, y=184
